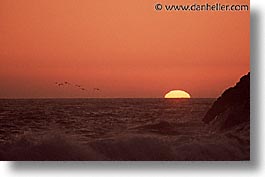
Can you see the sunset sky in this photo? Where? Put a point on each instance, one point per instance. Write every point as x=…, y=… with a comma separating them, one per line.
x=125, y=48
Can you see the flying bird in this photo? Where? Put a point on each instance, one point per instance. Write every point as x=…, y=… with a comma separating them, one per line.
x=67, y=83
x=96, y=89
x=59, y=84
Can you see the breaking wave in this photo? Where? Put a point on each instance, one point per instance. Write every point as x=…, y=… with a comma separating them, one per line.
x=54, y=146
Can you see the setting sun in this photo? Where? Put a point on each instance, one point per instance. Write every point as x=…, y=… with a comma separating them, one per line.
x=177, y=94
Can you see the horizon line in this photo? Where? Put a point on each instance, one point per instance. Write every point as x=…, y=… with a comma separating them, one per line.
x=31, y=98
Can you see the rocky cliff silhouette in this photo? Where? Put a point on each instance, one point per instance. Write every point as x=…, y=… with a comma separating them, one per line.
x=232, y=108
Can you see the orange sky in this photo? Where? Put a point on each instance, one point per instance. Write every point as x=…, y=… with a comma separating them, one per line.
x=126, y=48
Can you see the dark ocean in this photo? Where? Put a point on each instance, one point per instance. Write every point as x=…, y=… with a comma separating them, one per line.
x=113, y=129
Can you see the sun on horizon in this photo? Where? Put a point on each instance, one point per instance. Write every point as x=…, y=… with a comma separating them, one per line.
x=177, y=94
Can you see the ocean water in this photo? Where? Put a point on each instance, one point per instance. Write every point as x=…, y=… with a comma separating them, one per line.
x=114, y=129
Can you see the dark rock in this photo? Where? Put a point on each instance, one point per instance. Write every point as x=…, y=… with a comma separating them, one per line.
x=232, y=108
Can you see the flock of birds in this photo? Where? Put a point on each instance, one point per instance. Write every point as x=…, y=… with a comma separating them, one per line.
x=63, y=84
